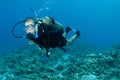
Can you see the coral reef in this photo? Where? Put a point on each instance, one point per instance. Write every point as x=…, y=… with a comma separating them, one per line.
x=79, y=63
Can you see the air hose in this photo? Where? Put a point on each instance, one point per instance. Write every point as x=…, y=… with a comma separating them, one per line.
x=13, y=29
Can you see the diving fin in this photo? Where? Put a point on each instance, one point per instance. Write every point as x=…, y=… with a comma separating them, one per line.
x=63, y=49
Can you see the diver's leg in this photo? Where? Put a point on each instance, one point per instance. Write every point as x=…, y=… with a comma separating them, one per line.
x=72, y=39
x=64, y=34
x=68, y=29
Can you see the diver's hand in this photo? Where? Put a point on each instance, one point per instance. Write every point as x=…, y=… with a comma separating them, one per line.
x=48, y=54
x=30, y=36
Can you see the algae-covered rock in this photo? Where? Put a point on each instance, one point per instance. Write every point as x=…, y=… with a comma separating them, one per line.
x=89, y=77
x=28, y=64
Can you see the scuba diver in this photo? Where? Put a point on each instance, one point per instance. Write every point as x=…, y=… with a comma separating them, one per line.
x=48, y=33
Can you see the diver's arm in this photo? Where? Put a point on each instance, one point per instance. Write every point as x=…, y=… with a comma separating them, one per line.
x=30, y=36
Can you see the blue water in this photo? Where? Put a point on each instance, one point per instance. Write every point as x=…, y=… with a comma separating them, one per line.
x=98, y=20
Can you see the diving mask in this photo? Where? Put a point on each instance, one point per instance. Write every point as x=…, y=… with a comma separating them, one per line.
x=31, y=27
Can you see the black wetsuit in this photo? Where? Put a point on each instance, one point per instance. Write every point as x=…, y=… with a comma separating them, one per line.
x=48, y=37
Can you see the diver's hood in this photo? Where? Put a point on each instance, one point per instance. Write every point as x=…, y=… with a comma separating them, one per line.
x=29, y=21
